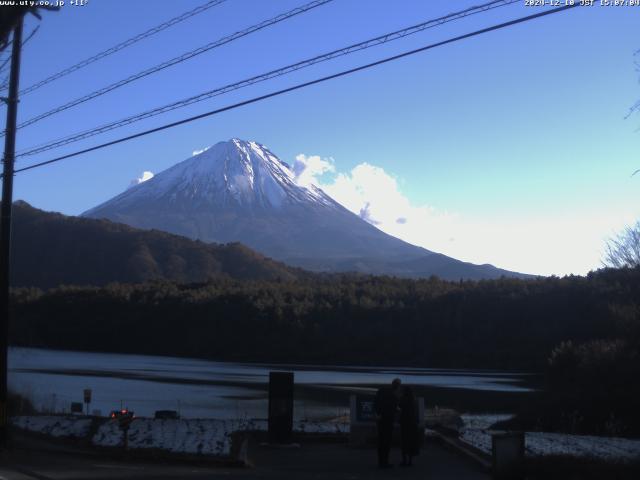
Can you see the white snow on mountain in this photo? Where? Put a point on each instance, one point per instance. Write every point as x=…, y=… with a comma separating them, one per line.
x=237, y=171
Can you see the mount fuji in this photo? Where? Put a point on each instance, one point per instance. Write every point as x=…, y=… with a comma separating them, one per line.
x=239, y=191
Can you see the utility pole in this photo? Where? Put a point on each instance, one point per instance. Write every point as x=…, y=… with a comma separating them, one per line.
x=5, y=222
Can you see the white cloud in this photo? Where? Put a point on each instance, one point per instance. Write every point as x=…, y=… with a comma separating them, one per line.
x=307, y=170
x=375, y=195
x=551, y=243
x=146, y=175
x=198, y=152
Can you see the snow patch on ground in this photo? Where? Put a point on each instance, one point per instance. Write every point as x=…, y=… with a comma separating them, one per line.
x=476, y=433
x=55, y=426
x=320, y=427
x=209, y=437
x=482, y=422
x=611, y=448
x=193, y=436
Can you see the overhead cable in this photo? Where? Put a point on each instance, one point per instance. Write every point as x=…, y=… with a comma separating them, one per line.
x=302, y=85
x=127, y=43
x=265, y=76
x=174, y=61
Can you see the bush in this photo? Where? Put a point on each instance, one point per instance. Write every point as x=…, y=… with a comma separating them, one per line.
x=595, y=385
x=18, y=404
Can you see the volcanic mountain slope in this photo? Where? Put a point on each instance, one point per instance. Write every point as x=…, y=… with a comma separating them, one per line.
x=50, y=249
x=239, y=191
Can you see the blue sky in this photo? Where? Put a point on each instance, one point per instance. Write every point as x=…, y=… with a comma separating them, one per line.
x=510, y=148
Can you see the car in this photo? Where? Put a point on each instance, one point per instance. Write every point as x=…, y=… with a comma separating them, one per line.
x=123, y=413
x=167, y=415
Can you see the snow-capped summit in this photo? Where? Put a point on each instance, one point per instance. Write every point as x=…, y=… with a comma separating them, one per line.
x=233, y=173
x=239, y=191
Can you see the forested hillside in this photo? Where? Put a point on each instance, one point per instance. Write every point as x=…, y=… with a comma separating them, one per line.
x=507, y=323
x=50, y=249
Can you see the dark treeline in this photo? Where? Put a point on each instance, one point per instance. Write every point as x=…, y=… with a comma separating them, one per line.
x=504, y=324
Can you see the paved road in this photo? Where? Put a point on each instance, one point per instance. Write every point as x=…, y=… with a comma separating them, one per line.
x=310, y=461
x=331, y=461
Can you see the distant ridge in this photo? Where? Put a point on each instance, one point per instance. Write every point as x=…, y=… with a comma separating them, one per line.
x=51, y=249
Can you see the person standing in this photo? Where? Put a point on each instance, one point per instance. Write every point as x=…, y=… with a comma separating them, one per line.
x=386, y=407
x=409, y=428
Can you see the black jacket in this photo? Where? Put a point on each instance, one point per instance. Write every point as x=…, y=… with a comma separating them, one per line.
x=386, y=404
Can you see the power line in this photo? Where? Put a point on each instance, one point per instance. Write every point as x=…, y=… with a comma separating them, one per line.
x=122, y=45
x=177, y=60
x=267, y=76
x=5, y=85
x=302, y=85
x=3, y=66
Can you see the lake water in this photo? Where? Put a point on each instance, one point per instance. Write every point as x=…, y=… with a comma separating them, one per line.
x=53, y=379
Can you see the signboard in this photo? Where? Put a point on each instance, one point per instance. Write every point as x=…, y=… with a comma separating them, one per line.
x=365, y=410
x=280, y=406
x=76, y=407
x=363, y=419
x=87, y=395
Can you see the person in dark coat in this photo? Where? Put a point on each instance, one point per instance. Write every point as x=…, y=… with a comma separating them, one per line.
x=386, y=408
x=409, y=430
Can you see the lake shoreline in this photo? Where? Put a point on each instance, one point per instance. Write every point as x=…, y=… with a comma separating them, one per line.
x=219, y=389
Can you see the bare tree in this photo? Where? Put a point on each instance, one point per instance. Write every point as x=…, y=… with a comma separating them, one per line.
x=624, y=249
x=635, y=108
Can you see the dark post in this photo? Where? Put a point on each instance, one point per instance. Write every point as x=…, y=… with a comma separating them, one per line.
x=87, y=398
x=508, y=455
x=125, y=422
x=280, y=406
x=5, y=222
